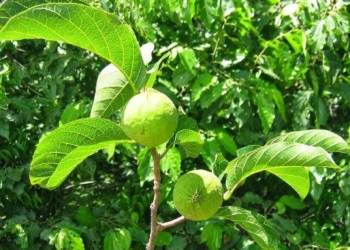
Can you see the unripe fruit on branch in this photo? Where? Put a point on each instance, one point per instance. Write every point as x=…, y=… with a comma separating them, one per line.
x=149, y=118
x=198, y=195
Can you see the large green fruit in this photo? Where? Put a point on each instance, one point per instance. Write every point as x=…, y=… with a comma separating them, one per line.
x=198, y=195
x=150, y=118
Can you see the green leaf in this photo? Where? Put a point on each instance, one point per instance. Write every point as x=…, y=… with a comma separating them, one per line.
x=171, y=164
x=212, y=235
x=59, y=152
x=189, y=141
x=278, y=158
x=186, y=122
x=226, y=140
x=83, y=26
x=277, y=98
x=72, y=111
x=220, y=164
x=163, y=238
x=68, y=239
x=325, y=139
x=144, y=162
x=266, y=110
x=188, y=58
x=256, y=225
x=319, y=36
x=85, y=217
x=155, y=71
x=297, y=178
x=5, y=130
x=112, y=92
x=292, y=202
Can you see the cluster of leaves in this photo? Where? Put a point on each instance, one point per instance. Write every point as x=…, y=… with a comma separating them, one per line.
x=245, y=71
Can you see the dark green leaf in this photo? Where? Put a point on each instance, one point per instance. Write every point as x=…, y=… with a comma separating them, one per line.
x=256, y=225
x=190, y=141
x=212, y=236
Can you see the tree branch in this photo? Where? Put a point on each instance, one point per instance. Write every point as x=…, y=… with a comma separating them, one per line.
x=155, y=203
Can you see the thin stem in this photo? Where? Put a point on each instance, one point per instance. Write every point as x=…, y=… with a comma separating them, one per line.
x=155, y=203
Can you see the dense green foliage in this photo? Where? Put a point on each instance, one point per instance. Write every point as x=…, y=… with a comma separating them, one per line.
x=246, y=71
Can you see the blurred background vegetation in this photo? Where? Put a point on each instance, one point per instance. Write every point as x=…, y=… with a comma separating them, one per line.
x=245, y=70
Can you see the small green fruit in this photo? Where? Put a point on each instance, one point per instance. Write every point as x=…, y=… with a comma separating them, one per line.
x=198, y=195
x=150, y=118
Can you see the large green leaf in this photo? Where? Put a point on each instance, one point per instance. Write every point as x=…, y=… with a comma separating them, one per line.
x=257, y=226
x=112, y=92
x=316, y=137
x=278, y=158
x=89, y=28
x=59, y=152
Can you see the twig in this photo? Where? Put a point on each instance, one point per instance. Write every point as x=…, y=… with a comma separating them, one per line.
x=155, y=203
x=172, y=223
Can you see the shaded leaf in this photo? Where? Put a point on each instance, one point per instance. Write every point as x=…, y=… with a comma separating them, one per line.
x=256, y=225
x=59, y=152
x=212, y=236
x=220, y=164
x=186, y=122
x=266, y=110
x=190, y=141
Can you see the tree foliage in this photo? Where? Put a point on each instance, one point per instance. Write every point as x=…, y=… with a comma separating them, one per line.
x=246, y=71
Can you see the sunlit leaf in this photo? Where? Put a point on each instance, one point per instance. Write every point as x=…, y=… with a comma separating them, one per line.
x=275, y=156
x=112, y=92
x=88, y=28
x=59, y=152
x=325, y=139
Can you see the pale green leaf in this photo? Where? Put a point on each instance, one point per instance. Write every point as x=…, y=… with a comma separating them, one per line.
x=256, y=225
x=89, y=28
x=112, y=92
x=59, y=152
x=281, y=156
x=297, y=178
x=325, y=139
x=190, y=141
x=319, y=35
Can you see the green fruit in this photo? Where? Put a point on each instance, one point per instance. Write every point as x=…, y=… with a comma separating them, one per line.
x=150, y=118
x=198, y=195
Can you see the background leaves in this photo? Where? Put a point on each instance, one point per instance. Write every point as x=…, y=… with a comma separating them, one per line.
x=242, y=48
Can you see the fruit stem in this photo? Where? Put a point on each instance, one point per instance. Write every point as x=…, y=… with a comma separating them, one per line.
x=154, y=206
